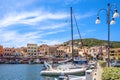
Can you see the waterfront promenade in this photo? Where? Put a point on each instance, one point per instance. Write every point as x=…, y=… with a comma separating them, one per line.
x=97, y=73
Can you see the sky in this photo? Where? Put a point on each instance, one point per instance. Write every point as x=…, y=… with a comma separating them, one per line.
x=48, y=21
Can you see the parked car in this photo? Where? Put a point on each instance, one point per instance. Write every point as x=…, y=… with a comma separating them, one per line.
x=116, y=63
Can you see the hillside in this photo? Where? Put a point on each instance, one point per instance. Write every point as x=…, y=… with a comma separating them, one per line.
x=94, y=42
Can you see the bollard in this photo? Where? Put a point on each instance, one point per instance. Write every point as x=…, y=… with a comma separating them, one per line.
x=89, y=74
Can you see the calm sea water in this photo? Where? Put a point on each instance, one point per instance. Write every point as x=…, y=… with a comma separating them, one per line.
x=22, y=72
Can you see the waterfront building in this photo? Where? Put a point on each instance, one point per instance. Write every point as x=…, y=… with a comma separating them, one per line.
x=80, y=52
x=68, y=49
x=115, y=53
x=23, y=51
x=8, y=52
x=43, y=50
x=83, y=51
x=98, y=51
x=104, y=52
x=32, y=50
x=61, y=51
x=1, y=50
x=52, y=51
x=93, y=51
x=18, y=53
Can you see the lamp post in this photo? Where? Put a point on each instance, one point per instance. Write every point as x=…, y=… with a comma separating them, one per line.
x=109, y=21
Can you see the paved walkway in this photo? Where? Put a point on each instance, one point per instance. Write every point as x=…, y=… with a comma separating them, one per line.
x=97, y=73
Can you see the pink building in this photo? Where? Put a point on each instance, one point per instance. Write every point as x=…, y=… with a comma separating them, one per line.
x=8, y=52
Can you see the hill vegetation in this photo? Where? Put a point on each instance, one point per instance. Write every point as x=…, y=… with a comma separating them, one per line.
x=90, y=42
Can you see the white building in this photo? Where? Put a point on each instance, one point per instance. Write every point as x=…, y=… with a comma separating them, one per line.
x=32, y=50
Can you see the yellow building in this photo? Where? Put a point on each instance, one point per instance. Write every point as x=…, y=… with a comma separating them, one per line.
x=115, y=53
x=24, y=51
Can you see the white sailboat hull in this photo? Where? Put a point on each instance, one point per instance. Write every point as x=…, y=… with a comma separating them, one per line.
x=58, y=72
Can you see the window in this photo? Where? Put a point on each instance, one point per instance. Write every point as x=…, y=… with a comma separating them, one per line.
x=118, y=50
x=28, y=50
x=112, y=54
x=112, y=51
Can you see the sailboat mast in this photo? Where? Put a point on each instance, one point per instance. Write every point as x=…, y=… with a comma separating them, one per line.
x=71, y=31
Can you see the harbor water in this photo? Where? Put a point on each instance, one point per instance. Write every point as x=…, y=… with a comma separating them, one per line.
x=22, y=72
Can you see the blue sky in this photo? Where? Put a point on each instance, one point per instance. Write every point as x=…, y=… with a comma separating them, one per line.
x=48, y=21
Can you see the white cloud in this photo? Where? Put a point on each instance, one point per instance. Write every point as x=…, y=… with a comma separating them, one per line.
x=30, y=18
x=33, y=18
x=9, y=5
x=69, y=2
x=85, y=15
x=14, y=39
x=54, y=32
x=53, y=41
x=53, y=26
x=17, y=14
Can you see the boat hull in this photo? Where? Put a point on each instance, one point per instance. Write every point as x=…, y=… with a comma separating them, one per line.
x=59, y=72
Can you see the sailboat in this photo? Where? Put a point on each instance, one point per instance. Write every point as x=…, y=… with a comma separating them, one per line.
x=63, y=69
x=67, y=68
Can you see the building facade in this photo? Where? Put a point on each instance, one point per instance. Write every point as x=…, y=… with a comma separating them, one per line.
x=18, y=53
x=8, y=52
x=23, y=51
x=1, y=50
x=115, y=53
x=32, y=50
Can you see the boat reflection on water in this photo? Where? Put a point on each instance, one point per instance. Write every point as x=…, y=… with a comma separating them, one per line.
x=49, y=78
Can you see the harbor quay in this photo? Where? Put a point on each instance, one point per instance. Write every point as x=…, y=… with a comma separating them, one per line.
x=14, y=60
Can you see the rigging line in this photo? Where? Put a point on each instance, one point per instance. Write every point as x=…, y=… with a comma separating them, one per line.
x=79, y=33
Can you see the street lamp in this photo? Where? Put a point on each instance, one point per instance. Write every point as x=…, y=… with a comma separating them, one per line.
x=108, y=14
